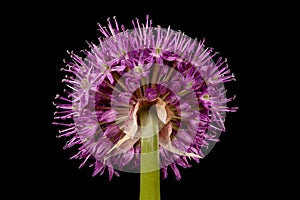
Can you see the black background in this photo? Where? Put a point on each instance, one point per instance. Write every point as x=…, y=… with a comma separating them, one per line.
x=240, y=164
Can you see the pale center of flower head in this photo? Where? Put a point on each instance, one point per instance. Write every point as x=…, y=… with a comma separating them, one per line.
x=84, y=84
x=138, y=68
x=106, y=66
x=190, y=84
x=123, y=52
x=206, y=97
x=158, y=50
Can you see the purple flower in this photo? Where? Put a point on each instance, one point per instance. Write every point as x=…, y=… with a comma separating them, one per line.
x=144, y=68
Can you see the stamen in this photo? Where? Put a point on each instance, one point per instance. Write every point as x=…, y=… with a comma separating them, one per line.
x=110, y=27
x=116, y=23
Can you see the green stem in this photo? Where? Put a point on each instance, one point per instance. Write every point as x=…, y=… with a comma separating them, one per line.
x=150, y=174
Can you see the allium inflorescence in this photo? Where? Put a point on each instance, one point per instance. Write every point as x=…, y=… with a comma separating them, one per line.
x=135, y=70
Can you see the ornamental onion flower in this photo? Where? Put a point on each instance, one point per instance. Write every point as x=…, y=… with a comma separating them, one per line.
x=145, y=86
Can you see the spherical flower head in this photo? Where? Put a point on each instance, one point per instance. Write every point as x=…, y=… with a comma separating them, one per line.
x=146, y=69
